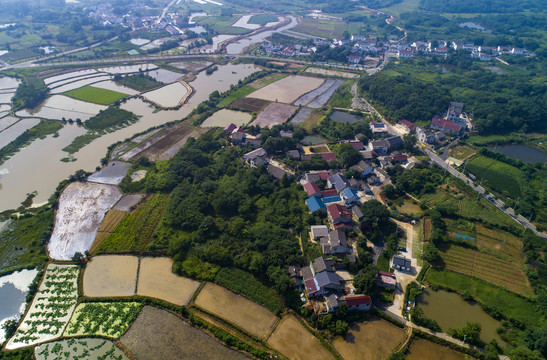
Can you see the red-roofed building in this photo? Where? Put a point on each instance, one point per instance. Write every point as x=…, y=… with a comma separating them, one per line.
x=312, y=189
x=358, y=302
x=357, y=145
x=311, y=287
x=330, y=192
x=399, y=158
x=324, y=175
x=387, y=280
x=328, y=156
x=339, y=214
x=229, y=128
x=410, y=126
x=446, y=126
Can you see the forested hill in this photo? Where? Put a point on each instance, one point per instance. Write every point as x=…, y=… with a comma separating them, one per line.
x=482, y=6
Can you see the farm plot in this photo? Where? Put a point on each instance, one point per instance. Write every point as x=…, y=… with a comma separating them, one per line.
x=320, y=96
x=135, y=231
x=294, y=341
x=166, y=148
x=111, y=85
x=500, y=241
x=301, y=117
x=371, y=340
x=83, y=348
x=111, y=275
x=59, y=106
x=128, y=202
x=15, y=130
x=112, y=218
x=71, y=75
x=158, y=281
x=158, y=334
x=274, y=114
x=103, y=319
x=165, y=76
x=243, y=22
x=167, y=96
x=224, y=117
x=288, y=89
x=246, y=314
x=250, y=104
x=51, y=308
x=328, y=72
x=306, y=98
x=422, y=349
x=7, y=82
x=501, y=177
x=7, y=121
x=75, y=84
x=82, y=207
x=112, y=174
x=324, y=98
x=128, y=69
x=95, y=95
x=486, y=267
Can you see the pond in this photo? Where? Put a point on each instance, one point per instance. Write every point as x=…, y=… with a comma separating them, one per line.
x=13, y=291
x=520, y=152
x=345, y=117
x=449, y=310
x=314, y=140
x=225, y=117
x=237, y=47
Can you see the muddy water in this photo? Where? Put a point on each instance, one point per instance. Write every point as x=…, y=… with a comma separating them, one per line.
x=422, y=349
x=168, y=95
x=38, y=167
x=225, y=117
x=111, y=275
x=236, y=48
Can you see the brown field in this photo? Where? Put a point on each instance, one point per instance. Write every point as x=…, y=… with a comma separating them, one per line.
x=174, y=134
x=287, y=89
x=111, y=220
x=313, y=120
x=158, y=281
x=250, y=104
x=486, y=267
x=371, y=340
x=427, y=228
x=409, y=208
x=110, y=275
x=238, y=310
x=500, y=241
x=294, y=341
x=158, y=334
x=274, y=114
x=422, y=349
x=461, y=152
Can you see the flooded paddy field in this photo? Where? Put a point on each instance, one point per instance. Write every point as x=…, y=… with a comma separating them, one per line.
x=288, y=89
x=57, y=293
x=13, y=291
x=301, y=116
x=9, y=83
x=7, y=121
x=250, y=104
x=113, y=173
x=88, y=348
x=344, y=117
x=5, y=98
x=224, y=117
x=157, y=280
x=82, y=207
x=58, y=107
x=74, y=80
x=165, y=76
x=274, y=114
x=243, y=22
x=158, y=334
x=307, y=98
x=167, y=96
x=294, y=341
x=111, y=85
x=245, y=313
x=237, y=47
x=111, y=275
x=78, y=84
x=423, y=349
x=70, y=75
x=11, y=133
x=371, y=340
x=322, y=99
x=127, y=69
x=139, y=41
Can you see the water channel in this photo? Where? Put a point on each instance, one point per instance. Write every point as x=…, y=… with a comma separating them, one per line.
x=237, y=47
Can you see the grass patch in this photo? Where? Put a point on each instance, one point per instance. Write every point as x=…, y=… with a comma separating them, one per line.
x=223, y=25
x=110, y=117
x=103, y=319
x=80, y=141
x=139, y=82
x=96, y=95
x=509, y=304
x=262, y=19
x=461, y=152
x=342, y=97
x=22, y=243
x=111, y=220
x=40, y=131
x=244, y=283
x=236, y=94
x=501, y=177
x=323, y=28
x=383, y=262
x=136, y=229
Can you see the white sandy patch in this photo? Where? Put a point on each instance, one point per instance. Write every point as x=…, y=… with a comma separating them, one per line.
x=138, y=175
x=139, y=41
x=113, y=173
x=168, y=95
x=82, y=207
x=287, y=89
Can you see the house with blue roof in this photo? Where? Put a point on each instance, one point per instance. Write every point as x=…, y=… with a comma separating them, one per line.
x=316, y=204
x=350, y=196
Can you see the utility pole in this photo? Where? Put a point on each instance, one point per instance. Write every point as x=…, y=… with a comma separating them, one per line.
x=516, y=204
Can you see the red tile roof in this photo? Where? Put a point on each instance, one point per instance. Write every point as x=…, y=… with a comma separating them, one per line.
x=445, y=124
x=337, y=211
x=385, y=273
x=324, y=175
x=400, y=158
x=311, y=188
x=328, y=156
x=310, y=286
x=357, y=300
x=330, y=192
x=408, y=124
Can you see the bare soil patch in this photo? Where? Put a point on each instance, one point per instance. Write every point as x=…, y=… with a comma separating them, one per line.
x=243, y=312
x=288, y=89
x=158, y=334
x=110, y=275
x=250, y=104
x=274, y=114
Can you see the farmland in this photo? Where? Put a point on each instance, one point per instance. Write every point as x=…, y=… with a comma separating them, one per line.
x=96, y=95
x=158, y=281
x=139, y=82
x=294, y=341
x=323, y=28
x=158, y=334
x=224, y=117
x=109, y=118
x=486, y=267
x=88, y=348
x=242, y=312
x=135, y=231
x=287, y=89
x=250, y=104
x=262, y=19
x=370, y=340
x=110, y=275
x=51, y=308
x=103, y=319
x=423, y=349
x=501, y=177
x=274, y=114
x=499, y=241
x=461, y=152
x=111, y=220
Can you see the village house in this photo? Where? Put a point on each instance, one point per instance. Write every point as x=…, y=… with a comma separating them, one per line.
x=394, y=143
x=378, y=128
x=256, y=157
x=357, y=213
x=411, y=127
x=338, y=181
x=238, y=138
x=425, y=135
x=446, y=126
x=387, y=280
x=335, y=243
x=316, y=204
x=328, y=156
x=293, y=155
x=339, y=216
x=350, y=196
x=318, y=231
x=358, y=302
x=378, y=146
x=278, y=172
x=363, y=168
x=455, y=109
x=294, y=275
x=312, y=189
x=320, y=279
x=401, y=263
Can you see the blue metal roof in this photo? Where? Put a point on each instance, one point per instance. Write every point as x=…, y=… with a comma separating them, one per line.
x=315, y=203
x=348, y=192
x=331, y=199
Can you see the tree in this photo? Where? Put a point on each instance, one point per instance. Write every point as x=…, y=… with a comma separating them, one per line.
x=470, y=332
x=365, y=280
x=408, y=143
x=397, y=356
x=390, y=191
x=375, y=211
x=431, y=253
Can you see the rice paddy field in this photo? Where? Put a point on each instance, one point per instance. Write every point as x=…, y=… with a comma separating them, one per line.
x=501, y=177
x=250, y=104
x=82, y=348
x=423, y=349
x=274, y=114
x=301, y=116
x=224, y=117
x=102, y=319
x=158, y=334
x=167, y=96
x=371, y=340
x=489, y=268
x=110, y=275
x=96, y=95
x=321, y=27
x=51, y=308
x=294, y=341
x=499, y=241
x=238, y=310
x=157, y=280
x=111, y=220
x=288, y=89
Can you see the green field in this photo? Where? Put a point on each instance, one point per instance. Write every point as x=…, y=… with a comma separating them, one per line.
x=111, y=117
x=139, y=82
x=136, y=229
x=234, y=95
x=511, y=305
x=402, y=7
x=262, y=19
x=342, y=97
x=95, y=95
x=324, y=28
x=501, y=177
x=223, y=24
x=103, y=319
